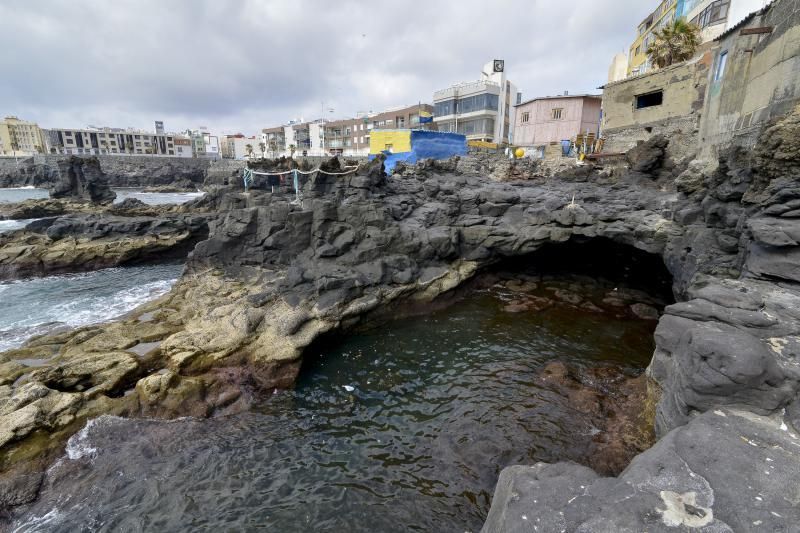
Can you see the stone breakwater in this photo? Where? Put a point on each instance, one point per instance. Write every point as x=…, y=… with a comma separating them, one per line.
x=274, y=275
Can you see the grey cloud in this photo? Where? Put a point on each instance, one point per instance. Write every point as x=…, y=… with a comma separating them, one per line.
x=242, y=65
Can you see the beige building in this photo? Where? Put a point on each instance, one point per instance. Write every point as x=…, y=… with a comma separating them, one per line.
x=667, y=101
x=236, y=146
x=18, y=137
x=619, y=68
x=725, y=96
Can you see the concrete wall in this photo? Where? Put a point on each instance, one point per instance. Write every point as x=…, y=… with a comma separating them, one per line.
x=684, y=88
x=684, y=91
x=761, y=79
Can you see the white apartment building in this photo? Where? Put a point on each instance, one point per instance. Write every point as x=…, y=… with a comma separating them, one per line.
x=108, y=141
x=235, y=146
x=204, y=144
x=20, y=138
x=482, y=110
x=715, y=16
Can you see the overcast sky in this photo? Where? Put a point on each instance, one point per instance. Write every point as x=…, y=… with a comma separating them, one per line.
x=241, y=65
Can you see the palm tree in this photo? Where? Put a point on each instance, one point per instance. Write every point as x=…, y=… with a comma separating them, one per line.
x=263, y=147
x=674, y=43
x=249, y=149
x=292, y=150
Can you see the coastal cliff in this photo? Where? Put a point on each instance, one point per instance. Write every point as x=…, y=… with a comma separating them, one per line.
x=276, y=273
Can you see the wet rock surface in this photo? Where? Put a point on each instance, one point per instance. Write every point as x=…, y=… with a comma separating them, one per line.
x=724, y=471
x=77, y=243
x=276, y=273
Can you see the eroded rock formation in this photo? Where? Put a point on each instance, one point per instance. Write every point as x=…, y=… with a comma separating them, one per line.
x=77, y=243
x=81, y=179
x=276, y=273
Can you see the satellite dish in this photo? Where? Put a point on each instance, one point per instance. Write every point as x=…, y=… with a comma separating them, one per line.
x=499, y=65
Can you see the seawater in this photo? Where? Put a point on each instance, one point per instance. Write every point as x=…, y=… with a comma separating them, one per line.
x=401, y=428
x=11, y=225
x=155, y=198
x=40, y=305
x=19, y=194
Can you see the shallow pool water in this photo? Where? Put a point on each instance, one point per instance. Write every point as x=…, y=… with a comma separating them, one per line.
x=400, y=428
x=19, y=194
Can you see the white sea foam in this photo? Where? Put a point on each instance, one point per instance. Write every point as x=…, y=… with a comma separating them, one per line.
x=46, y=522
x=11, y=225
x=79, y=445
x=36, y=306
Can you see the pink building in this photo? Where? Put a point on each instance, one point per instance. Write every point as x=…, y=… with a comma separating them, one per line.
x=551, y=119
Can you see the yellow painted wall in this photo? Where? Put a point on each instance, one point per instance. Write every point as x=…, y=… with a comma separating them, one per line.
x=637, y=60
x=379, y=140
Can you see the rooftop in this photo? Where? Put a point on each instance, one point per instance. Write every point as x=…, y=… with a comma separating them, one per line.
x=559, y=97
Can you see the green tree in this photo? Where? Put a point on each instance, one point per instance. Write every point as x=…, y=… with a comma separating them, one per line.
x=249, y=149
x=292, y=149
x=263, y=147
x=675, y=42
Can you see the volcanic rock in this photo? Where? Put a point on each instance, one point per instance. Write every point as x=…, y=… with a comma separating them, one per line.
x=81, y=178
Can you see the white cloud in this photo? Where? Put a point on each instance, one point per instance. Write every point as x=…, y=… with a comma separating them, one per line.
x=246, y=64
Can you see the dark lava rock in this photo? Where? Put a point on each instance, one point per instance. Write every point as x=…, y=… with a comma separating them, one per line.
x=82, y=178
x=724, y=471
x=648, y=156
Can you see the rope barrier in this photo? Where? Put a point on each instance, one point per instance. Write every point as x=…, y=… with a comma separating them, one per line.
x=249, y=173
x=307, y=172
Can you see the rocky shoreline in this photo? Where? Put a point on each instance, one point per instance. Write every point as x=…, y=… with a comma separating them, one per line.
x=186, y=174
x=274, y=275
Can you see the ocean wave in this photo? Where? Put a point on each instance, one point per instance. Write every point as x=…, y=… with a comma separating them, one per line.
x=11, y=225
x=38, y=306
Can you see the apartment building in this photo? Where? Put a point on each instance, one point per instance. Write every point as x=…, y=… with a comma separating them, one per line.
x=183, y=146
x=482, y=110
x=108, y=141
x=236, y=146
x=552, y=119
x=712, y=16
x=352, y=136
x=348, y=137
x=19, y=137
x=204, y=144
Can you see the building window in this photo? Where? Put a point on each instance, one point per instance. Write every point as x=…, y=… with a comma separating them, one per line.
x=557, y=113
x=638, y=51
x=716, y=13
x=721, y=62
x=526, y=116
x=649, y=100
